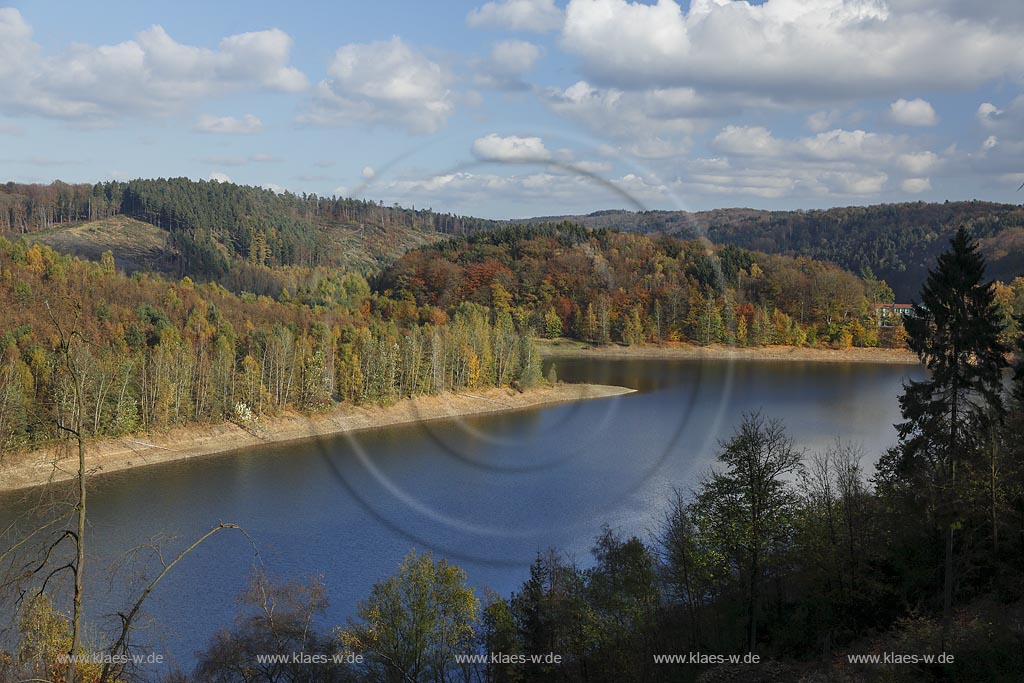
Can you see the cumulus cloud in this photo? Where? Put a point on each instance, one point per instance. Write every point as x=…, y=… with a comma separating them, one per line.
x=387, y=83
x=831, y=146
x=150, y=74
x=747, y=141
x=916, y=185
x=368, y=173
x=517, y=15
x=656, y=123
x=838, y=162
x=219, y=177
x=228, y=125
x=1006, y=120
x=1001, y=149
x=916, y=112
x=509, y=62
x=510, y=149
x=515, y=56
x=809, y=50
x=918, y=163
x=989, y=113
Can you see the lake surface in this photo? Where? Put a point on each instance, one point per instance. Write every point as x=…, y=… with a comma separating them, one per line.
x=486, y=492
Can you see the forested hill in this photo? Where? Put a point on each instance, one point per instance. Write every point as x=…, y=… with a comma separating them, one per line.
x=219, y=231
x=898, y=242
x=606, y=286
x=256, y=240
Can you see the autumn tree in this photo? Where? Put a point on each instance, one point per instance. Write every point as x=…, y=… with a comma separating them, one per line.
x=414, y=623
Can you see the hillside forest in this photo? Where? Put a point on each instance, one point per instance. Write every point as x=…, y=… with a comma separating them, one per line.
x=604, y=286
x=899, y=242
x=458, y=314
x=245, y=238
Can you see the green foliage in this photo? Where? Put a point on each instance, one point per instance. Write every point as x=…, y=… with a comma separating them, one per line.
x=955, y=333
x=414, y=623
x=552, y=324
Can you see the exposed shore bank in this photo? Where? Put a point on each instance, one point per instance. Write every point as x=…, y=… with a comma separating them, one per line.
x=57, y=463
x=566, y=348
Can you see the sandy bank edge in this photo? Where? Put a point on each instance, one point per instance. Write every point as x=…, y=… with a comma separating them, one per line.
x=35, y=468
x=574, y=349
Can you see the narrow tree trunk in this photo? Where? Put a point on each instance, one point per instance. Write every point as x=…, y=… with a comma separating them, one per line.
x=947, y=587
x=752, y=608
x=76, y=621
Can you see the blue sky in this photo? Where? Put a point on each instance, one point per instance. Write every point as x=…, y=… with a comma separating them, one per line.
x=526, y=107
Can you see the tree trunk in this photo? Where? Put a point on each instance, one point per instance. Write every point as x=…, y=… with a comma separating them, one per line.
x=76, y=622
x=947, y=587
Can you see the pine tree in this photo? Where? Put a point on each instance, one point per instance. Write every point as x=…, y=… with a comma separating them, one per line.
x=949, y=417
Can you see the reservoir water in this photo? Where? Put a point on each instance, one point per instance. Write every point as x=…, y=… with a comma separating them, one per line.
x=486, y=492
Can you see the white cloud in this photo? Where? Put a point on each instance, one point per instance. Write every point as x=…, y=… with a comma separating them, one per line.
x=916, y=185
x=517, y=15
x=1007, y=120
x=509, y=62
x=219, y=177
x=916, y=112
x=989, y=113
x=150, y=74
x=657, y=123
x=510, y=149
x=918, y=163
x=368, y=173
x=595, y=168
x=515, y=56
x=475, y=192
x=228, y=125
x=854, y=183
x=834, y=146
x=789, y=50
x=1000, y=149
x=820, y=121
x=747, y=141
x=835, y=163
x=387, y=83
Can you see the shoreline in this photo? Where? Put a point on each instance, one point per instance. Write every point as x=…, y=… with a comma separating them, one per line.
x=58, y=463
x=567, y=348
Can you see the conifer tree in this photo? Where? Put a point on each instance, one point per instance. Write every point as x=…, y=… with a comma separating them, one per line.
x=949, y=416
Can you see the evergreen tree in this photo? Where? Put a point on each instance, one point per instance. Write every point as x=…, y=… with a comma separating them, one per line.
x=949, y=417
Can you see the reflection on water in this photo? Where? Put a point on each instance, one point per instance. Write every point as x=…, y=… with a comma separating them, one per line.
x=488, y=492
